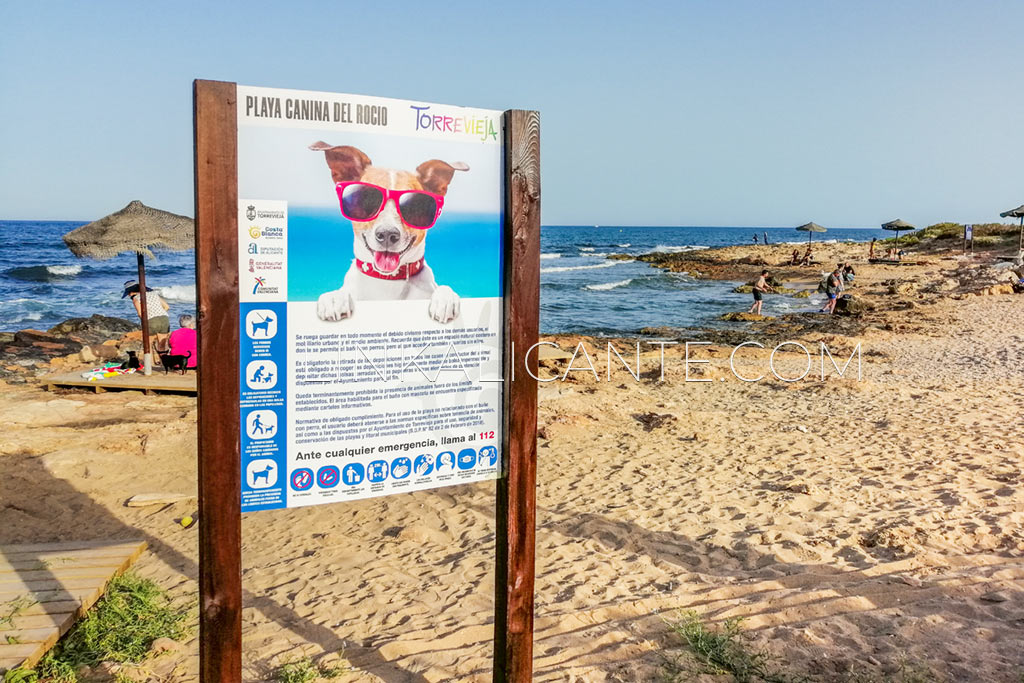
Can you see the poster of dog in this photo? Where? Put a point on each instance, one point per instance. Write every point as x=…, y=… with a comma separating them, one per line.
x=370, y=234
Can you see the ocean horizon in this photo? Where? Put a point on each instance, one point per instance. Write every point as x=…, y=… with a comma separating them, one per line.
x=42, y=283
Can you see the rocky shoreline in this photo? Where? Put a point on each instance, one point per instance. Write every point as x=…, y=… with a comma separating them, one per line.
x=932, y=273
x=28, y=354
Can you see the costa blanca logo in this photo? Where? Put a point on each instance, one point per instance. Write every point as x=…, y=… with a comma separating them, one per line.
x=254, y=232
x=260, y=282
x=250, y=212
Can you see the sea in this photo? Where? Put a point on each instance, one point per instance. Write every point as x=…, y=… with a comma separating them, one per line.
x=42, y=283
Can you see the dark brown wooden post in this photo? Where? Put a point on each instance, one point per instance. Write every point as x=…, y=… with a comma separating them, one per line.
x=220, y=520
x=516, y=499
x=143, y=305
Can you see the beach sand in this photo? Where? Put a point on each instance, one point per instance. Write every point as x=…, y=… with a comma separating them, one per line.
x=855, y=525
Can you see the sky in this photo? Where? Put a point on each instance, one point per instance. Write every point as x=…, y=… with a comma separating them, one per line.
x=711, y=113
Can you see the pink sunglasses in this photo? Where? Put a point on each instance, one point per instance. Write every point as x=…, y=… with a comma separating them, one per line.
x=364, y=201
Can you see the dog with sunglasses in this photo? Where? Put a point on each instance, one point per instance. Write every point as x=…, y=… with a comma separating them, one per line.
x=391, y=211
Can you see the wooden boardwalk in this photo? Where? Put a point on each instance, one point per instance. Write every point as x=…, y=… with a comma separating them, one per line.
x=172, y=382
x=45, y=588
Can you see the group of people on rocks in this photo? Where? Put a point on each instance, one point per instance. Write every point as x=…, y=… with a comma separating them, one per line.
x=833, y=285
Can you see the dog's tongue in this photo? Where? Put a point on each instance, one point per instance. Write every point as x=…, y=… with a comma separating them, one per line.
x=386, y=261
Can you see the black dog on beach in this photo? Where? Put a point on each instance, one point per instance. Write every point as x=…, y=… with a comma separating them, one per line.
x=175, y=362
x=132, y=362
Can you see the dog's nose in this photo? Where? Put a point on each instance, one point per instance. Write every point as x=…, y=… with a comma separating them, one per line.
x=387, y=235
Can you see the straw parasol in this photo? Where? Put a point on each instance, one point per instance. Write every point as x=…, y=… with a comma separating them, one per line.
x=136, y=228
x=1017, y=213
x=897, y=226
x=810, y=228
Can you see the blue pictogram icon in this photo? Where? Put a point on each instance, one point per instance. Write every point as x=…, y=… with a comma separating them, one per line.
x=466, y=459
x=445, y=462
x=328, y=476
x=400, y=467
x=488, y=456
x=353, y=474
x=377, y=471
x=302, y=479
x=423, y=465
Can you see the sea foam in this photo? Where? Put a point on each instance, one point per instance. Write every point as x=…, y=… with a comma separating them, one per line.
x=186, y=293
x=608, y=285
x=677, y=248
x=564, y=269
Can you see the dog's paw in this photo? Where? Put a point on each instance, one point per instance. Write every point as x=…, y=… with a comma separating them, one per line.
x=335, y=305
x=444, y=304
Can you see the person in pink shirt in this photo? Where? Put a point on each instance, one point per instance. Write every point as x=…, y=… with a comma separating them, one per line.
x=183, y=340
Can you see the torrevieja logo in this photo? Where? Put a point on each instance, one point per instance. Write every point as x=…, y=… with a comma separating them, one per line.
x=478, y=126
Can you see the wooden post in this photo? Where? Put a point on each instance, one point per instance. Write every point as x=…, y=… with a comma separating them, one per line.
x=220, y=520
x=143, y=305
x=147, y=351
x=516, y=492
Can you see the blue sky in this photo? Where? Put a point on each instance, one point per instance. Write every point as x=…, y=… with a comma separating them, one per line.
x=675, y=113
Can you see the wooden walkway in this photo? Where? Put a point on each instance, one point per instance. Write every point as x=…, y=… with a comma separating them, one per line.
x=172, y=382
x=45, y=588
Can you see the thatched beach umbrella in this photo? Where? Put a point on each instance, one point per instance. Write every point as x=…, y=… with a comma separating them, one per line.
x=897, y=226
x=811, y=228
x=136, y=228
x=1017, y=213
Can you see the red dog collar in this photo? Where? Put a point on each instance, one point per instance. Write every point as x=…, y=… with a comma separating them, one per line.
x=404, y=272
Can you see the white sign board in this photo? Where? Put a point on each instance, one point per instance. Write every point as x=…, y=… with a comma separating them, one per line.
x=370, y=289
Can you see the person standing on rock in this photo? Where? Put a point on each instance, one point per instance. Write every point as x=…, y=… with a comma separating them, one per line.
x=156, y=311
x=832, y=286
x=761, y=287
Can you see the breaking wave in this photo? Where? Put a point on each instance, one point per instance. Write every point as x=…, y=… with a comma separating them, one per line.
x=677, y=249
x=564, y=269
x=608, y=285
x=186, y=293
x=43, y=273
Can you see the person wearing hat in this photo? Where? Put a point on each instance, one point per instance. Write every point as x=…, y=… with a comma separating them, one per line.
x=156, y=311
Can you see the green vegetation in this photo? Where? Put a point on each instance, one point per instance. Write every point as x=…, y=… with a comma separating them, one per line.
x=991, y=240
x=985, y=234
x=12, y=608
x=120, y=628
x=21, y=676
x=305, y=671
x=722, y=651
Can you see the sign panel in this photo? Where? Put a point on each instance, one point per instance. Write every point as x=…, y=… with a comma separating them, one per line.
x=370, y=290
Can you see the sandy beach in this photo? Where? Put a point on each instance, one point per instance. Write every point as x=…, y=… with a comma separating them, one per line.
x=856, y=525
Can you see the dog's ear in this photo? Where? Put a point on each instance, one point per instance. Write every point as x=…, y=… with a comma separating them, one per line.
x=346, y=163
x=436, y=174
